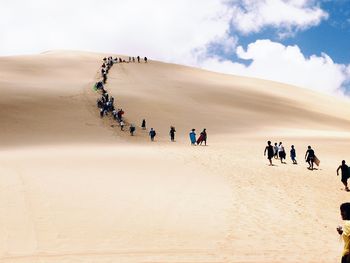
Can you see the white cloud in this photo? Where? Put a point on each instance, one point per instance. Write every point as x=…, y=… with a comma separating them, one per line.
x=175, y=31
x=162, y=29
x=284, y=15
x=287, y=64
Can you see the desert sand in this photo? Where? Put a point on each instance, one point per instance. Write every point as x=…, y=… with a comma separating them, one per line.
x=74, y=188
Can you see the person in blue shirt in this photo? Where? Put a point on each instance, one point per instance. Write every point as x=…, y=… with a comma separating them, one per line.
x=193, y=137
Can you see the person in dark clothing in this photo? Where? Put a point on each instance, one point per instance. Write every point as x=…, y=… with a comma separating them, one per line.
x=143, y=124
x=293, y=155
x=120, y=114
x=145, y=59
x=132, y=129
x=345, y=174
x=152, y=134
x=310, y=157
x=270, y=152
x=138, y=59
x=202, y=138
x=102, y=112
x=104, y=78
x=172, y=133
x=133, y=59
x=281, y=152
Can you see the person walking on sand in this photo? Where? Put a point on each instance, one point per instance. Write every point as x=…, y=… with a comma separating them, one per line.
x=152, y=134
x=293, y=155
x=145, y=59
x=270, y=152
x=132, y=129
x=310, y=157
x=344, y=231
x=122, y=124
x=275, y=149
x=281, y=152
x=143, y=124
x=193, y=137
x=202, y=138
x=345, y=174
x=138, y=59
x=172, y=133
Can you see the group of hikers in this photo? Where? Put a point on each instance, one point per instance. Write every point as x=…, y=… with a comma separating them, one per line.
x=278, y=152
x=106, y=104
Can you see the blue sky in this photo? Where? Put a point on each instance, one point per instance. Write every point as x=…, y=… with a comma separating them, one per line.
x=299, y=42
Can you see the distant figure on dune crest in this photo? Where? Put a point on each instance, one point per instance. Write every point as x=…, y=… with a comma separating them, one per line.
x=132, y=129
x=193, y=137
x=275, y=148
x=310, y=157
x=138, y=59
x=143, y=124
x=152, y=134
x=129, y=59
x=145, y=59
x=270, y=152
x=293, y=155
x=345, y=231
x=345, y=174
x=202, y=138
x=172, y=133
x=281, y=152
x=133, y=59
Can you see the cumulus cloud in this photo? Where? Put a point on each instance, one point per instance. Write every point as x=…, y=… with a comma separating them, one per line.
x=195, y=32
x=162, y=29
x=287, y=64
x=285, y=15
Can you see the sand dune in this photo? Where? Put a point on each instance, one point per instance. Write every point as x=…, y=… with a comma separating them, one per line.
x=76, y=189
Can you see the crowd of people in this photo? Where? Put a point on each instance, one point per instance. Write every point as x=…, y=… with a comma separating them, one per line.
x=106, y=104
x=277, y=151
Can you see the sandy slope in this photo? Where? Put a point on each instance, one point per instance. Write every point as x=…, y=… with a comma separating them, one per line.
x=75, y=189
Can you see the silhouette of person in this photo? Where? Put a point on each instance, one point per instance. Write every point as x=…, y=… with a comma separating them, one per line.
x=270, y=152
x=345, y=174
x=275, y=148
x=293, y=154
x=310, y=157
x=132, y=129
x=143, y=124
x=281, y=152
x=172, y=133
x=152, y=134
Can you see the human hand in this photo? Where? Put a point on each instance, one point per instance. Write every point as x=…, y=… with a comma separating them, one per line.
x=340, y=230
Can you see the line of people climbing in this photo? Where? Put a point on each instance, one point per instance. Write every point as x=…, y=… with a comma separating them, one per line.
x=106, y=104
